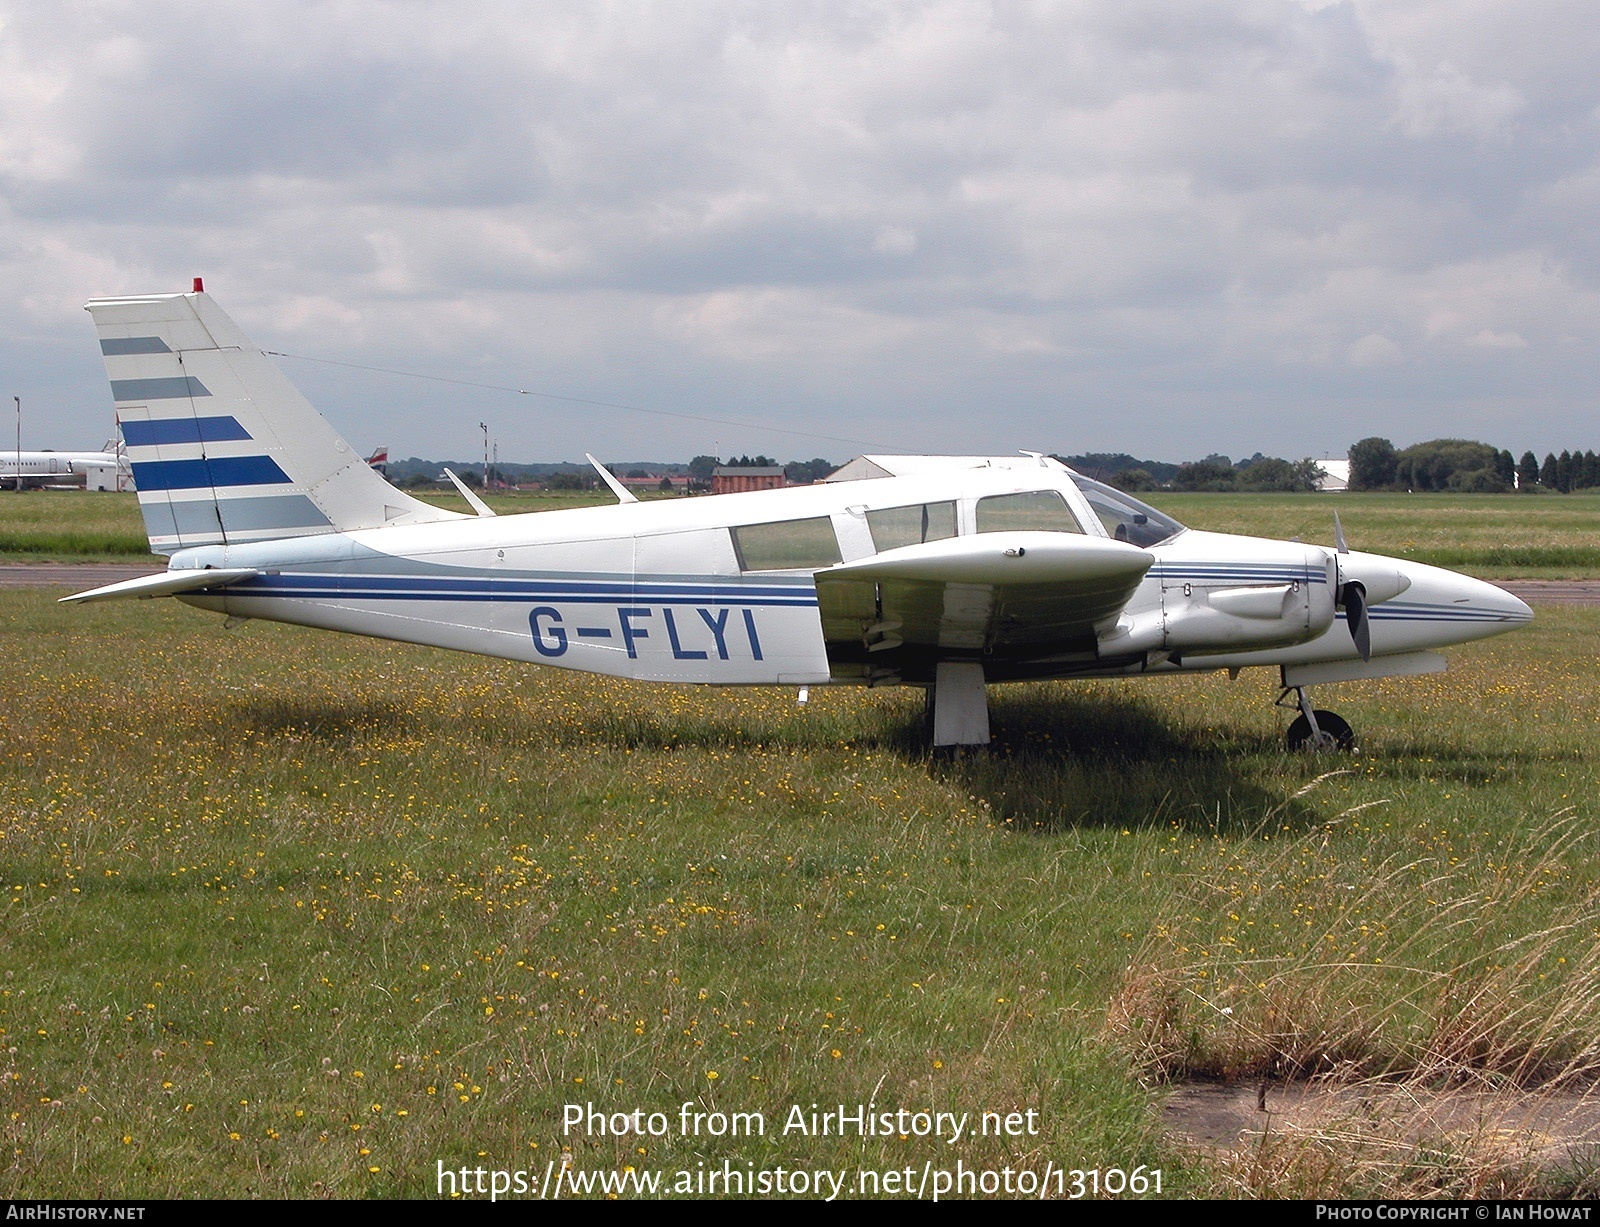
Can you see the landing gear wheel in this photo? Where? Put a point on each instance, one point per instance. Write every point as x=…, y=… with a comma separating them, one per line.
x=1336, y=733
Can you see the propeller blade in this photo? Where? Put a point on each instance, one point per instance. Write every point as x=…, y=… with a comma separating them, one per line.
x=1355, y=615
x=1338, y=535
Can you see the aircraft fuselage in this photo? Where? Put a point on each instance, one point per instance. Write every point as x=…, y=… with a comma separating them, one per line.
x=656, y=591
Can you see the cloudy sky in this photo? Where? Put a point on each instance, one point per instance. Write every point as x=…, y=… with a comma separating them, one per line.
x=1164, y=228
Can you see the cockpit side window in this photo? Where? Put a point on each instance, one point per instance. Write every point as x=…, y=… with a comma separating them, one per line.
x=787, y=545
x=893, y=527
x=1034, y=510
x=1125, y=517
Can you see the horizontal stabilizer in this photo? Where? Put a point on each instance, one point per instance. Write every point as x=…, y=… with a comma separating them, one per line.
x=167, y=583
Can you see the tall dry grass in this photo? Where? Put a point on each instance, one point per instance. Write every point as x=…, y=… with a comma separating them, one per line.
x=1432, y=1040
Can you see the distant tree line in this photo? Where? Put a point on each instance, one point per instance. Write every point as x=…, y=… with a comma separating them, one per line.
x=1119, y=467
x=1216, y=473
x=1458, y=465
x=413, y=473
x=1257, y=474
x=416, y=472
x=1466, y=466
x=1569, y=471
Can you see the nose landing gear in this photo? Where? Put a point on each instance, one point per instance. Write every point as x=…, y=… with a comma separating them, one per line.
x=1312, y=729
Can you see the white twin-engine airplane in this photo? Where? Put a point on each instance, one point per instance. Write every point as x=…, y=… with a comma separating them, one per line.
x=968, y=572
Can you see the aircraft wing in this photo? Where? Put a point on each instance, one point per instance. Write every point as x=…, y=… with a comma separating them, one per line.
x=1010, y=593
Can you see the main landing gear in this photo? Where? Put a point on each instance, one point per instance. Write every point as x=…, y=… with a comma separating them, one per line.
x=958, y=705
x=1315, y=730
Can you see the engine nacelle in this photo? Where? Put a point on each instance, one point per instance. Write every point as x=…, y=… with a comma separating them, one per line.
x=1284, y=595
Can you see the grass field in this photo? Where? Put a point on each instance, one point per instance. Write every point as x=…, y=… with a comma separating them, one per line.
x=70, y=526
x=298, y=915
x=1491, y=536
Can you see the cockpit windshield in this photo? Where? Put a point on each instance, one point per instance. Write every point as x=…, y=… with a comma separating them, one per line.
x=1125, y=517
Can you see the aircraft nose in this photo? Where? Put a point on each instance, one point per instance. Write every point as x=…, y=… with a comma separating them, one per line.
x=1510, y=609
x=1457, y=607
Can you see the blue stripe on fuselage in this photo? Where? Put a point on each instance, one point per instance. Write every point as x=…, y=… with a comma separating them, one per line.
x=1435, y=613
x=1238, y=574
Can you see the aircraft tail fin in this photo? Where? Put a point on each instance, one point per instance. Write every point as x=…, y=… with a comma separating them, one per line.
x=224, y=448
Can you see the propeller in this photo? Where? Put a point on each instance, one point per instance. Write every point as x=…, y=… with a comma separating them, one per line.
x=1355, y=616
x=1353, y=596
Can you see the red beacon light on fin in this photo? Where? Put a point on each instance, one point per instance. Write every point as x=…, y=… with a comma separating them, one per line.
x=199, y=286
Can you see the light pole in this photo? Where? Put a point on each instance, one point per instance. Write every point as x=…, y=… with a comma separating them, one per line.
x=483, y=427
x=18, y=399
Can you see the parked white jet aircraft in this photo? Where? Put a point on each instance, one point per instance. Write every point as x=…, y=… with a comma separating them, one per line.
x=994, y=571
x=58, y=468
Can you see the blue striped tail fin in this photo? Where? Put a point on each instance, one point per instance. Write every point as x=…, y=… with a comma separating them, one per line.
x=224, y=448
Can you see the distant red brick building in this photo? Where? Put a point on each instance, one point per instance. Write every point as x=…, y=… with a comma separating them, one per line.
x=736, y=481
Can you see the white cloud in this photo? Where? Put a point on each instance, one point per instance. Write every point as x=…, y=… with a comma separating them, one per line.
x=760, y=325
x=1487, y=339
x=1375, y=350
x=894, y=241
x=941, y=219
x=1446, y=101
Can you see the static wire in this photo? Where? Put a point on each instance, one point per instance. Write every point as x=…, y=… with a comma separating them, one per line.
x=579, y=400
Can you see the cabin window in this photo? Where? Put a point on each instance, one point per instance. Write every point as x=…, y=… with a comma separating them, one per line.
x=1125, y=517
x=1034, y=511
x=893, y=527
x=790, y=545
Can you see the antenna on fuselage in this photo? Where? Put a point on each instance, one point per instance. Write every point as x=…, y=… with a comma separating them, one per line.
x=624, y=495
x=1043, y=461
x=478, y=505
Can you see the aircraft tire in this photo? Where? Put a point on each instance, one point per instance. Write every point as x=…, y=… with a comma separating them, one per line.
x=1336, y=732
